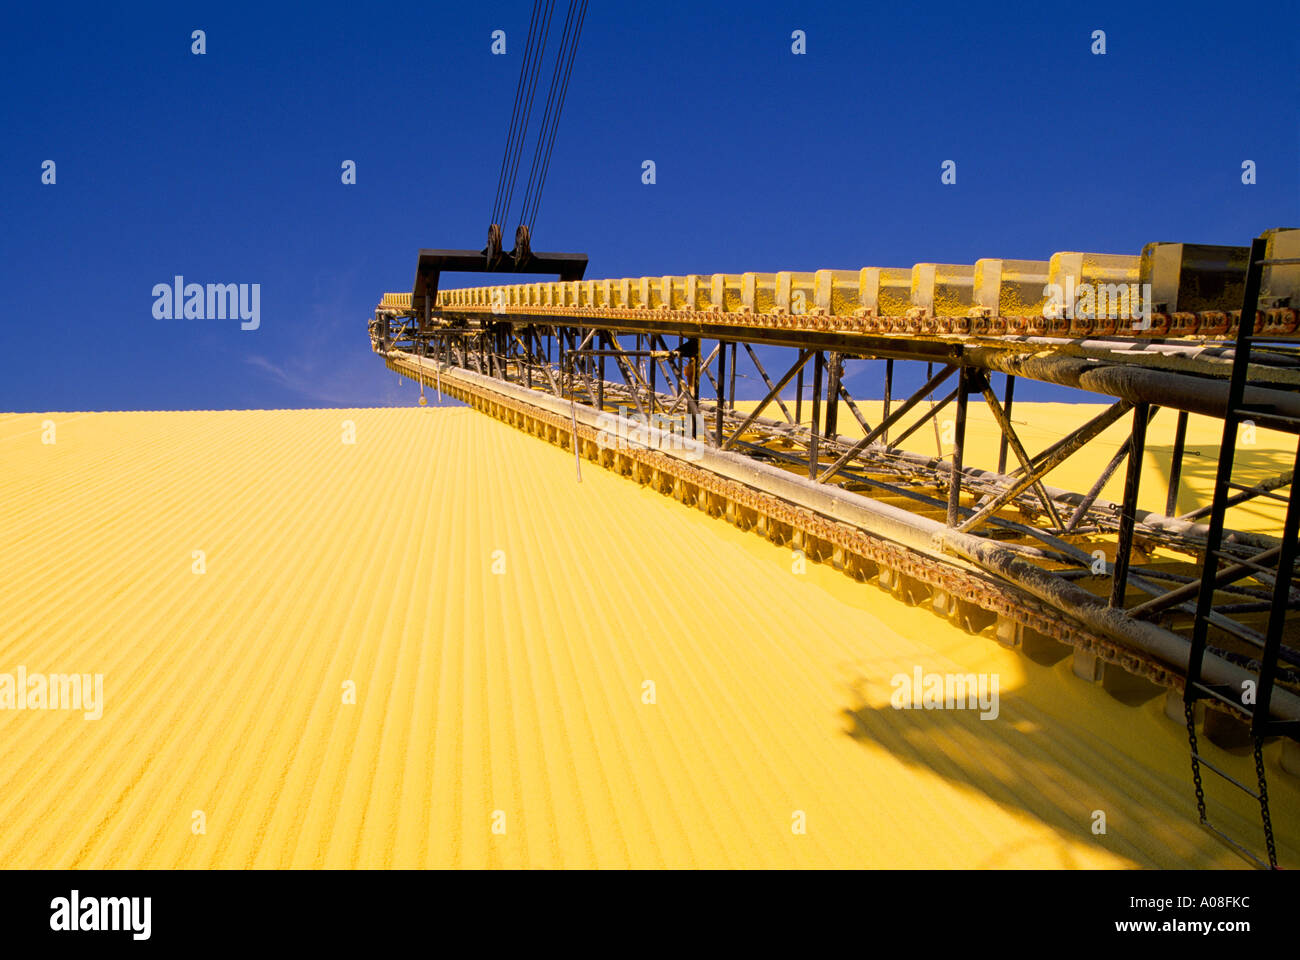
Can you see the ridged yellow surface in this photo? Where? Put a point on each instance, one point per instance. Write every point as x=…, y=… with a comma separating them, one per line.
x=519, y=691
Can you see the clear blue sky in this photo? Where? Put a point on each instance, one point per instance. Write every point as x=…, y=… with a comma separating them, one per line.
x=226, y=167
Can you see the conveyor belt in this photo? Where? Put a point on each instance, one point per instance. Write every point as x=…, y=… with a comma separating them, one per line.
x=1170, y=290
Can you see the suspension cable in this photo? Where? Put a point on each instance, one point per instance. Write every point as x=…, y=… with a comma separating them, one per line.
x=528, y=104
x=564, y=89
x=514, y=116
x=521, y=114
x=546, y=114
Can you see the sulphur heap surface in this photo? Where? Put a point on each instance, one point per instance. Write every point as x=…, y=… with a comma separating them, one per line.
x=430, y=646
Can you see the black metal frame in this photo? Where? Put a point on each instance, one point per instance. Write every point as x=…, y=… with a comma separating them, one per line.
x=1214, y=578
x=432, y=263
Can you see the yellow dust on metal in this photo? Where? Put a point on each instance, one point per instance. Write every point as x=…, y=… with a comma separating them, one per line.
x=488, y=665
x=1068, y=295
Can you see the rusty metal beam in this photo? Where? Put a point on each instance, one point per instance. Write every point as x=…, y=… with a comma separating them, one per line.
x=772, y=392
x=885, y=424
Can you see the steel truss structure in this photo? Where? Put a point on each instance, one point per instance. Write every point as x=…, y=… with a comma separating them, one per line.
x=639, y=375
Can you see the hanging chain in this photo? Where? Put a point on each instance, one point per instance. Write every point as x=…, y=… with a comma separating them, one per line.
x=1263, y=802
x=1190, y=707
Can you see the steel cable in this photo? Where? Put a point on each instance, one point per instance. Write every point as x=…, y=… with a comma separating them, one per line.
x=528, y=104
x=564, y=89
x=514, y=115
x=547, y=113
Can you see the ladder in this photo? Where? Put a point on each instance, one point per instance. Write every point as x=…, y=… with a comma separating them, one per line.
x=1279, y=568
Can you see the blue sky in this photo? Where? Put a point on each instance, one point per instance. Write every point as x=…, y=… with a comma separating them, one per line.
x=226, y=167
